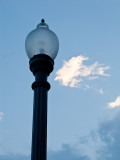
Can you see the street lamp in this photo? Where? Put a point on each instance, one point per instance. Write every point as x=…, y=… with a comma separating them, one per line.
x=42, y=47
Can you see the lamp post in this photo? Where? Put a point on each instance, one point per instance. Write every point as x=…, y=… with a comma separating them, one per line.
x=42, y=47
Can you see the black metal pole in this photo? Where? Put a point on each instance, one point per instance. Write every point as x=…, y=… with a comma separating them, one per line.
x=41, y=65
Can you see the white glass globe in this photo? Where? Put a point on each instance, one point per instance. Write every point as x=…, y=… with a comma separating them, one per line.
x=42, y=41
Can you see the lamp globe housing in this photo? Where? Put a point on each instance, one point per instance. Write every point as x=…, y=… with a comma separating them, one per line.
x=42, y=40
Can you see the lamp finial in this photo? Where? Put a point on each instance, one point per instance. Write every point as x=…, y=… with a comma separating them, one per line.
x=42, y=21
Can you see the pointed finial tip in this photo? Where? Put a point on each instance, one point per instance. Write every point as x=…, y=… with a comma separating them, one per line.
x=42, y=21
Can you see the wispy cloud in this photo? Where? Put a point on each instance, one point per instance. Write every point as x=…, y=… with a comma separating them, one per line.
x=109, y=132
x=115, y=103
x=67, y=153
x=14, y=157
x=1, y=114
x=74, y=71
x=100, y=144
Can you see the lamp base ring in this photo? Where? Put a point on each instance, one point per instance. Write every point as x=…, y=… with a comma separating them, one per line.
x=40, y=84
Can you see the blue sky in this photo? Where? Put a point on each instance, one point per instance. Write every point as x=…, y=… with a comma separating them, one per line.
x=84, y=100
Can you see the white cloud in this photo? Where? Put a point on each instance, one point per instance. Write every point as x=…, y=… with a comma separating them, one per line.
x=94, y=77
x=87, y=86
x=1, y=114
x=100, y=91
x=115, y=103
x=73, y=71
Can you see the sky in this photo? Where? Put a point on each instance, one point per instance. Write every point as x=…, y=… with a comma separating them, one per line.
x=84, y=99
